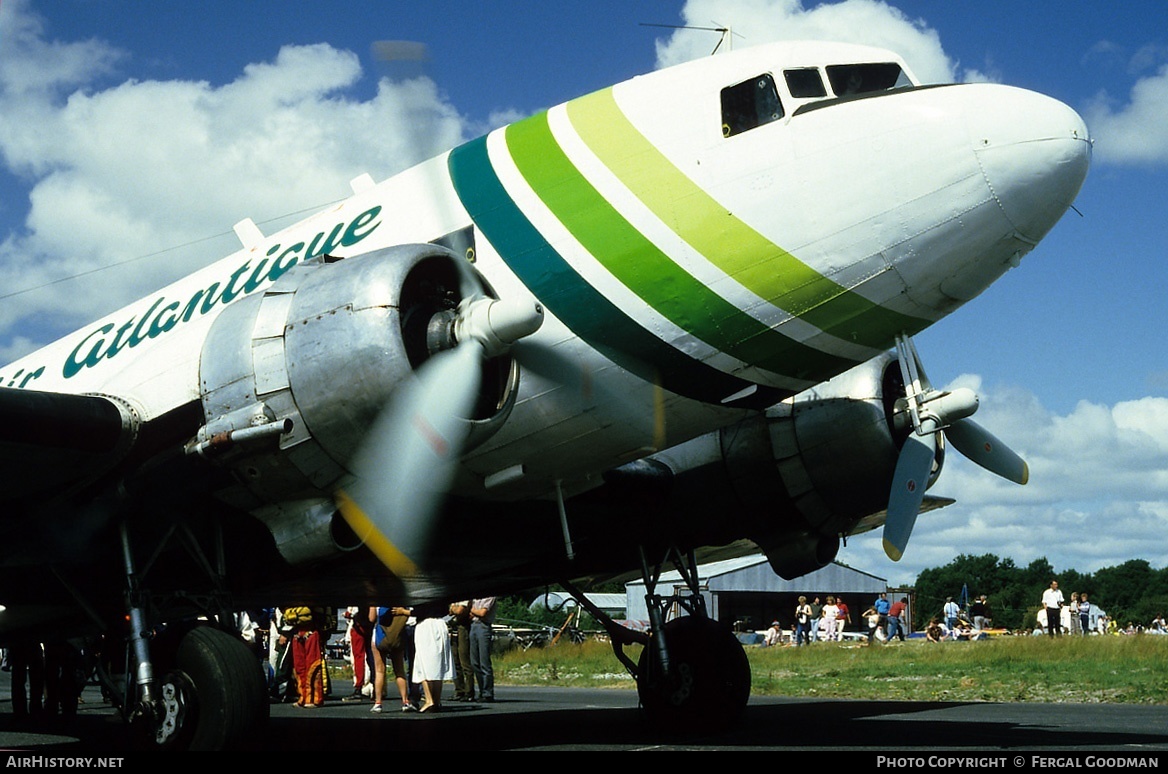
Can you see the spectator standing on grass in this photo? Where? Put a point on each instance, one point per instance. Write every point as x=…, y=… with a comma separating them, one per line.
x=1052, y=602
x=882, y=606
x=1084, y=614
x=897, y=622
x=816, y=614
x=873, y=621
x=952, y=612
x=845, y=618
x=1072, y=623
x=802, y=621
x=980, y=612
x=830, y=615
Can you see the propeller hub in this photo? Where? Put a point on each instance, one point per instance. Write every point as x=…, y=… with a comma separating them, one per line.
x=496, y=324
x=949, y=407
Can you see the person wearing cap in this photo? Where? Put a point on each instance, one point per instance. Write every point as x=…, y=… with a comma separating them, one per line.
x=774, y=635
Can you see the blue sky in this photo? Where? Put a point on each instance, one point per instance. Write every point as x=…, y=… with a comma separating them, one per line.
x=133, y=135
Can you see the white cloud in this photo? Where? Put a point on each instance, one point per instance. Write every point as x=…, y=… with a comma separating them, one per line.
x=1133, y=132
x=32, y=64
x=125, y=171
x=869, y=22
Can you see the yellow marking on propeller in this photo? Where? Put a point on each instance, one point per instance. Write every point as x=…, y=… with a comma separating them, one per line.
x=398, y=563
x=893, y=552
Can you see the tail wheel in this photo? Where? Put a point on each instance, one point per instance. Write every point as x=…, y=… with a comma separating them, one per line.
x=708, y=683
x=213, y=699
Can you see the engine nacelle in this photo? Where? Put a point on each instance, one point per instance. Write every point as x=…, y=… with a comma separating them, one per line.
x=291, y=379
x=803, y=474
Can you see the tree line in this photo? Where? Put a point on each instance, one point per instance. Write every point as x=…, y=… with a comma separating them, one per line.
x=1130, y=592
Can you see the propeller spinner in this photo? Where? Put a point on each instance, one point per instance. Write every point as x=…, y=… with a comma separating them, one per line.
x=935, y=411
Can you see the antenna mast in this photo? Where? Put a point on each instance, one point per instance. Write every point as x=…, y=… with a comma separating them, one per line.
x=726, y=33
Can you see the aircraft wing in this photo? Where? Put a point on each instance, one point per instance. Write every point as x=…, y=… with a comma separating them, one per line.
x=876, y=520
x=54, y=442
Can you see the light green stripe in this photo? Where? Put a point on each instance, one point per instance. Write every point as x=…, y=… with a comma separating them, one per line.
x=646, y=271
x=751, y=259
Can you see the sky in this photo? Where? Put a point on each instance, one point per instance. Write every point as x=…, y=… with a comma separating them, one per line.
x=133, y=135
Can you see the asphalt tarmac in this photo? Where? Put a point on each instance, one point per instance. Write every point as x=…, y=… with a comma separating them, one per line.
x=552, y=719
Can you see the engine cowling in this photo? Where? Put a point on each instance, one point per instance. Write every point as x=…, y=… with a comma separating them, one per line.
x=808, y=471
x=291, y=379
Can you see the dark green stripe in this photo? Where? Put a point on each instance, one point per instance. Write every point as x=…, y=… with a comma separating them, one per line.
x=587, y=312
x=648, y=272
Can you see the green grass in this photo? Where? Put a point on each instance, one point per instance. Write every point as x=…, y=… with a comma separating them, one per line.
x=1113, y=670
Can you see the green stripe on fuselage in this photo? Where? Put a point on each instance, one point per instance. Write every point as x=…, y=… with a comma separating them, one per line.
x=648, y=272
x=755, y=262
x=587, y=312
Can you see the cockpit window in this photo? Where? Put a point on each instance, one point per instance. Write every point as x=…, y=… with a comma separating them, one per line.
x=749, y=104
x=805, y=82
x=865, y=78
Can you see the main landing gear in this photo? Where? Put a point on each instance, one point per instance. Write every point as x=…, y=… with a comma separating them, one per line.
x=189, y=686
x=692, y=674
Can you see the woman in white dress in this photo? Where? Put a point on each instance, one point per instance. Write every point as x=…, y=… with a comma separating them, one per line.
x=433, y=661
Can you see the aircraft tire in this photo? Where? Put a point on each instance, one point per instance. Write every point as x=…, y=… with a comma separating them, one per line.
x=215, y=696
x=709, y=681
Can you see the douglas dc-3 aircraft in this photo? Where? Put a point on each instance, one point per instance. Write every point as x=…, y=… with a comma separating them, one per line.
x=666, y=322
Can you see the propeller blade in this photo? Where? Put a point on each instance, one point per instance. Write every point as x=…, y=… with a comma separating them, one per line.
x=408, y=459
x=913, y=468
x=981, y=447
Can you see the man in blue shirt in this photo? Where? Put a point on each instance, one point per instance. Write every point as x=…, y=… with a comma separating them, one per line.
x=882, y=606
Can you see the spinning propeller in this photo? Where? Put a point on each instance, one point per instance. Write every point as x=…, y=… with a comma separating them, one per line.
x=934, y=412
x=408, y=459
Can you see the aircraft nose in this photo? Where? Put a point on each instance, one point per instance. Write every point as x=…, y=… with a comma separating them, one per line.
x=1034, y=152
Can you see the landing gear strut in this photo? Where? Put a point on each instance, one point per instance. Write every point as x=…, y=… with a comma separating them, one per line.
x=195, y=686
x=693, y=674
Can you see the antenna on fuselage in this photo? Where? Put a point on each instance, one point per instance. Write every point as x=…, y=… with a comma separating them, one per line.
x=727, y=34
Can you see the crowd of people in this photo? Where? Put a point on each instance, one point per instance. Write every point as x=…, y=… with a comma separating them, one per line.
x=47, y=680
x=419, y=648
x=406, y=652
x=815, y=621
x=827, y=619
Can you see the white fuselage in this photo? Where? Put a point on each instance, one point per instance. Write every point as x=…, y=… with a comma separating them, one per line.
x=681, y=269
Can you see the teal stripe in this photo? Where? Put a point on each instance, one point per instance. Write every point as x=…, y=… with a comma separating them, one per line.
x=567, y=295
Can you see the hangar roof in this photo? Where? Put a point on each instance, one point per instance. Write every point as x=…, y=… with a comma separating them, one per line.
x=754, y=573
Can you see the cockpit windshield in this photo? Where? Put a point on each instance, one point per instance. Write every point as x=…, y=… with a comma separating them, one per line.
x=865, y=78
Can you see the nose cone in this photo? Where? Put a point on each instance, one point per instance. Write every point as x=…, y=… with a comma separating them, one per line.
x=1034, y=152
